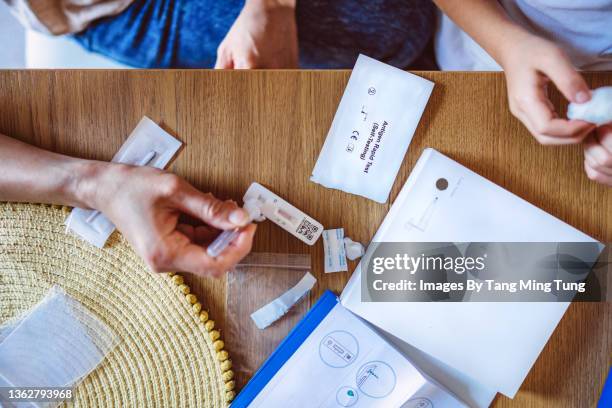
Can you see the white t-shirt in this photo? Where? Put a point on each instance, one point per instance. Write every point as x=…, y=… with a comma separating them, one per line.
x=583, y=28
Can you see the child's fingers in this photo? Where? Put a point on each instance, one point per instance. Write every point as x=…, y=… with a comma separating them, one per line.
x=604, y=135
x=539, y=117
x=596, y=175
x=563, y=74
x=543, y=120
x=597, y=155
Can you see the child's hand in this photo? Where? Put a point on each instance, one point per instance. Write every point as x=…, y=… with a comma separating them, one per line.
x=145, y=204
x=529, y=66
x=263, y=36
x=598, y=155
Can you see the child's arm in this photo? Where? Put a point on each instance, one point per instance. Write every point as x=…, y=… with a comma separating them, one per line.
x=529, y=62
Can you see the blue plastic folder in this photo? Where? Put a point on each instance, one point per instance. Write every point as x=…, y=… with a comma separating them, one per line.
x=605, y=401
x=286, y=349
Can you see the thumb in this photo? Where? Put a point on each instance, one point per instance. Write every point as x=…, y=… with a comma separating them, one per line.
x=569, y=81
x=214, y=212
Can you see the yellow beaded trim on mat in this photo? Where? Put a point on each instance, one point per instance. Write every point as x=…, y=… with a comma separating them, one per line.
x=222, y=355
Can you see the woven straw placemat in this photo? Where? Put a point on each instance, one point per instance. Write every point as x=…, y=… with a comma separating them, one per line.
x=169, y=353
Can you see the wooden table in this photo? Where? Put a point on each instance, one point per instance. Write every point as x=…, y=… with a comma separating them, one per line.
x=269, y=126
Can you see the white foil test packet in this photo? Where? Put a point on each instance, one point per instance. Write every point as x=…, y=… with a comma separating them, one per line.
x=598, y=110
x=334, y=251
x=147, y=145
x=274, y=310
x=374, y=124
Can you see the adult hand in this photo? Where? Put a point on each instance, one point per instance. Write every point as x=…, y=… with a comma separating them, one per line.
x=598, y=155
x=263, y=36
x=530, y=65
x=145, y=205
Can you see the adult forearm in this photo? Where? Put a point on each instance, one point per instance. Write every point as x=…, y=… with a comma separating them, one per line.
x=30, y=174
x=487, y=23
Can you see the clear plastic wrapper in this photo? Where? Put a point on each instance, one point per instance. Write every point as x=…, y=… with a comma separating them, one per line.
x=257, y=280
x=55, y=344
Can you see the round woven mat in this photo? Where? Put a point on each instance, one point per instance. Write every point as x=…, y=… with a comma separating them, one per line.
x=169, y=353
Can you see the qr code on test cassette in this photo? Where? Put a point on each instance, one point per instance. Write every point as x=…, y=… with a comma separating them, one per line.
x=307, y=229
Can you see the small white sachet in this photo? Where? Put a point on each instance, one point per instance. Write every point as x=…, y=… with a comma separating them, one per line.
x=374, y=124
x=333, y=248
x=598, y=110
x=274, y=310
x=147, y=145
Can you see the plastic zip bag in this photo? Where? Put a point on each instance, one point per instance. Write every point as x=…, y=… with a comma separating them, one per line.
x=253, y=283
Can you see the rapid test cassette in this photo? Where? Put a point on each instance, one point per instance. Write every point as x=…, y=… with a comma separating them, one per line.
x=283, y=214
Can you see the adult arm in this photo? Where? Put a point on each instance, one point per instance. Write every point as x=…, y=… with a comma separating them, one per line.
x=144, y=203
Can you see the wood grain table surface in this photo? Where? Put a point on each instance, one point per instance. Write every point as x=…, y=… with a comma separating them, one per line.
x=269, y=126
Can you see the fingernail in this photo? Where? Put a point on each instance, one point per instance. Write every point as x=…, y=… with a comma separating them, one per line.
x=238, y=216
x=582, y=97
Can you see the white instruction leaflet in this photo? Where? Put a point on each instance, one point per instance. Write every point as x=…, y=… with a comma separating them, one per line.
x=344, y=363
x=369, y=136
x=474, y=349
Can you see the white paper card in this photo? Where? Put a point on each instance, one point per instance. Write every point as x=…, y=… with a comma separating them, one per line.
x=376, y=119
x=494, y=344
x=345, y=363
x=277, y=308
x=147, y=145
